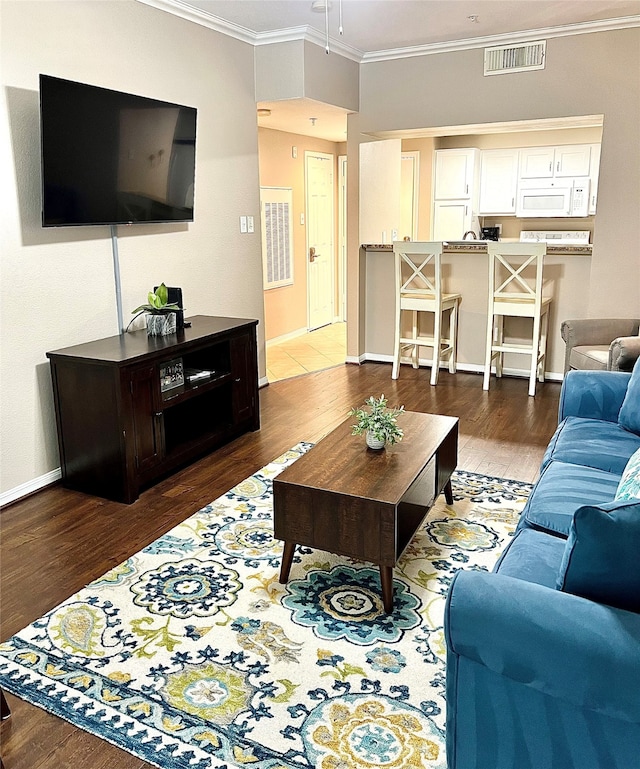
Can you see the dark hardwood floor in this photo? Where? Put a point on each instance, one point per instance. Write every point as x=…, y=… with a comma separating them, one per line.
x=56, y=541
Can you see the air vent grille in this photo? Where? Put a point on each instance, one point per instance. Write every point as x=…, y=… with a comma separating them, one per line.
x=514, y=58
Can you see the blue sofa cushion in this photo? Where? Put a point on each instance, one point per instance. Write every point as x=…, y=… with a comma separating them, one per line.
x=601, y=561
x=593, y=394
x=561, y=489
x=534, y=556
x=629, y=486
x=593, y=443
x=629, y=416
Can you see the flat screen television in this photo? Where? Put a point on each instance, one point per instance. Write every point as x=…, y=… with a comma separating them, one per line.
x=114, y=158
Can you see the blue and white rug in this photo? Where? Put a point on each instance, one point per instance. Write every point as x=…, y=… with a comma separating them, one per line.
x=192, y=654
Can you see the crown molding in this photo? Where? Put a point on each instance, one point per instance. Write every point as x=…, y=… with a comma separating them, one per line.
x=526, y=36
x=197, y=16
x=310, y=35
x=186, y=11
x=190, y=13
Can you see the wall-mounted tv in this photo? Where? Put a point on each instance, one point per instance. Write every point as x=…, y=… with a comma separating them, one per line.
x=114, y=158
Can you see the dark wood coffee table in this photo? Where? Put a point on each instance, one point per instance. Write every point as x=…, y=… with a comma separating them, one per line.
x=347, y=499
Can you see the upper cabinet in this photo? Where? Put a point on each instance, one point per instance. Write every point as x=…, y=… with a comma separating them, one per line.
x=455, y=173
x=455, y=192
x=471, y=182
x=573, y=160
x=537, y=162
x=498, y=182
x=547, y=162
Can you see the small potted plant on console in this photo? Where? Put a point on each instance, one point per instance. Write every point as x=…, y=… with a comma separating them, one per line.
x=379, y=423
x=161, y=315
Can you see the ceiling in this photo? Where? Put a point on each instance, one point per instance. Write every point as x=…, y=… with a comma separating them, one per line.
x=384, y=29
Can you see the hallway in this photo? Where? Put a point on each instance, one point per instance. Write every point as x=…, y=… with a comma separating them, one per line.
x=320, y=349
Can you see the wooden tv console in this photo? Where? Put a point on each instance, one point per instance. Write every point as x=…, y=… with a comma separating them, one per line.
x=132, y=408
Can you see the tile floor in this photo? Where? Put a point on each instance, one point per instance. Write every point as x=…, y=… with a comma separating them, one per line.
x=323, y=348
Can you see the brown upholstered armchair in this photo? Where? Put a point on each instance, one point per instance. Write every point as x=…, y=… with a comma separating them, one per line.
x=612, y=344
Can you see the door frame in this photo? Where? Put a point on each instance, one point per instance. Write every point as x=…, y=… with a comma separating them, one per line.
x=341, y=314
x=332, y=261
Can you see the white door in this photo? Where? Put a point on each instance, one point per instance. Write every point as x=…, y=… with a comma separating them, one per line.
x=320, y=229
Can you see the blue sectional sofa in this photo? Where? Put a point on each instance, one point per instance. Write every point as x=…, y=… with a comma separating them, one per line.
x=543, y=654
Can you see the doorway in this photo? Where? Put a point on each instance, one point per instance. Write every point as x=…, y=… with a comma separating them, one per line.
x=319, y=187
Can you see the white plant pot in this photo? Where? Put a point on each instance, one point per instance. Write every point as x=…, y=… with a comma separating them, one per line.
x=161, y=324
x=373, y=442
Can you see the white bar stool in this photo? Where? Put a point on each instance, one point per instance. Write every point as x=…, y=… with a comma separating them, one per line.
x=418, y=285
x=515, y=289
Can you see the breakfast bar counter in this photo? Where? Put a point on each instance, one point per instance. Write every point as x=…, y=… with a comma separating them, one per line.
x=480, y=247
x=465, y=271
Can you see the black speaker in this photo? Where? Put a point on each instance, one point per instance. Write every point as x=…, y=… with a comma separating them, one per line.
x=175, y=297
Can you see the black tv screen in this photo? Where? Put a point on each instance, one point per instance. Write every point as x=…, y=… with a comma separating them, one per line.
x=114, y=158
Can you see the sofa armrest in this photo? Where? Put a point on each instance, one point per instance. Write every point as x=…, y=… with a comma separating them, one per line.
x=564, y=646
x=594, y=331
x=593, y=394
x=623, y=353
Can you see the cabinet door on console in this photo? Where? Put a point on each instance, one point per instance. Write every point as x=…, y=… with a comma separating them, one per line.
x=147, y=418
x=245, y=379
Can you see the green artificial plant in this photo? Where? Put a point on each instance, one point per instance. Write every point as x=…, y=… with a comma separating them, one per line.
x=379, y=420
x=157, y=302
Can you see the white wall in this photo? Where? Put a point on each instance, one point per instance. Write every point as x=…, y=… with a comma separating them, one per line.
x=57, y=286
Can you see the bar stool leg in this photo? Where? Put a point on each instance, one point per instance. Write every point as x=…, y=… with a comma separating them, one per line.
x=535, y=351
x=500, y=341
x=453, y=337
x=414, y=354
x=395, y=370
x=437, y=345
x=488, y=352
x=543, y=346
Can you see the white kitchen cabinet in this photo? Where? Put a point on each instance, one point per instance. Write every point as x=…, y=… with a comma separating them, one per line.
x=455, y=174
x=568, y=160
x=498, y=182
x=451, y=219
x=537, y=162
x=572, y=160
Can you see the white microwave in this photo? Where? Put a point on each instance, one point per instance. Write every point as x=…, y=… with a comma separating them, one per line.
x=542, y=199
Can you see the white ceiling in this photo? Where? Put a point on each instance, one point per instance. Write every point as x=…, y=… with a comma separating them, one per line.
x=382, y=29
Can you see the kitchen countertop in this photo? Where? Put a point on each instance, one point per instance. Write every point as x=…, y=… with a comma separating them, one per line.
x=480, y=247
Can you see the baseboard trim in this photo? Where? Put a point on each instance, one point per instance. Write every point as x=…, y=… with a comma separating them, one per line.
x=469, y=368
x=29, y=487
x=286, y=337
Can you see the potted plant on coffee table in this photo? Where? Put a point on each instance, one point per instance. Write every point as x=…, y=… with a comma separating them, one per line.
x=161, y=316
x=379, y=423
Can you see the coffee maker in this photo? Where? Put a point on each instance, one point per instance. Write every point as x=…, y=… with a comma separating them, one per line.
x=489, y=233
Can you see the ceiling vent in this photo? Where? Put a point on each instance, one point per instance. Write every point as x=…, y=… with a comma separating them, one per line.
x=514, y=58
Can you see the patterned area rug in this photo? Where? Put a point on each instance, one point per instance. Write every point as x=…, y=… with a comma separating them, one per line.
x=191, y=654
